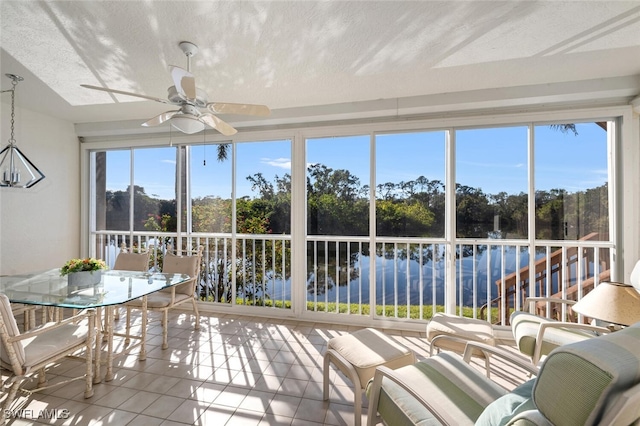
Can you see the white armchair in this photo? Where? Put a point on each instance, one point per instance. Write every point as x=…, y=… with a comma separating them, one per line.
x=537, y=336
x=591, y=382
x=30, y=352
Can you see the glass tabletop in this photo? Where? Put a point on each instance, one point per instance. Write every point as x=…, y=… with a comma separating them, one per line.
x=115, y=287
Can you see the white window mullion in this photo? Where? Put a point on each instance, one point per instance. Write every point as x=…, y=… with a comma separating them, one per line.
x=131, y=195
x=450, y=222
x=299, y=225
x=187, y=189
x=531, y=219
x=372, y=227
x=234, y=227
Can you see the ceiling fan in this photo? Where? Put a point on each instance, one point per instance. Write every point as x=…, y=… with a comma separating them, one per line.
x=184, y=93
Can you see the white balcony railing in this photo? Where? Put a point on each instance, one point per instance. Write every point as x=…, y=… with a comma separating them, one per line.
x=402, y=278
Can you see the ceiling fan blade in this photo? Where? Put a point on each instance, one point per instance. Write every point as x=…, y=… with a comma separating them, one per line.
x=245, y=109
x=160, y=118
x=184, y=81
x=221, y=126
x=120, y=92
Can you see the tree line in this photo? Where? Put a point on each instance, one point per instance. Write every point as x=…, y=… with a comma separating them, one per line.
x=338, y=204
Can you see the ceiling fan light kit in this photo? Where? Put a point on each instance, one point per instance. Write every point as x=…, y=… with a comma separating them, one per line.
x=14, y=165
x=187, y=123
x=184, y=93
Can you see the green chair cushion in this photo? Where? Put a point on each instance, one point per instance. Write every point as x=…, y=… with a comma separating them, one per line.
x=577, y=380
x=502, y=410
x=455, y=389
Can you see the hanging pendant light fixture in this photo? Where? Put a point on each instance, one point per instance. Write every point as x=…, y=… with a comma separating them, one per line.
x=14, y=165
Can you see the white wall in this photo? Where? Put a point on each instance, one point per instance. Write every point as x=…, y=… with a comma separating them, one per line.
x=40, y=226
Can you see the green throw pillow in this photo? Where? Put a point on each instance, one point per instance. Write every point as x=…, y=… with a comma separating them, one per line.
x=503, y=409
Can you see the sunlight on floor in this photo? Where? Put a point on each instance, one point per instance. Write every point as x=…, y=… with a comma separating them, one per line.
x=235, y=370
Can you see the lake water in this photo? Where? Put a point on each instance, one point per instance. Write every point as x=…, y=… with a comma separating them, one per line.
x=394, y=283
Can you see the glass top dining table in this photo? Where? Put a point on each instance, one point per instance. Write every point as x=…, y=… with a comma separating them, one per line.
x=115, y=288
x=48, y=288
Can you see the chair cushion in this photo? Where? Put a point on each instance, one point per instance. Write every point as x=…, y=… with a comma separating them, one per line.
x=577, y=380
x=158, y=300
x=182, y=265
x=458, y=392
x=53, y=342
x=525, y=328
x=12, y=328
x=464, y=328
x=132, y=262
x=368, y=348
x=502, y=410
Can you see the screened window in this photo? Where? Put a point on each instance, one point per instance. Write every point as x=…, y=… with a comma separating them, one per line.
x=210, y=179
x=410, y=178
x=337, y=186
x=571, y=181
x=492, y=182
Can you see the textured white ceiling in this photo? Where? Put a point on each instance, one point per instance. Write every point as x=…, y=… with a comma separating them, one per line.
x=290, y=54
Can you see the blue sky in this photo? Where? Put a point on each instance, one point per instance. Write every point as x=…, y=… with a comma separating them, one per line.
x=492, y=159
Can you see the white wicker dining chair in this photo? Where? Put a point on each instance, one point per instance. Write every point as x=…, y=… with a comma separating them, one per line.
x=130, y=261
x=28, y=313
x=169, y=298
x=24, y=354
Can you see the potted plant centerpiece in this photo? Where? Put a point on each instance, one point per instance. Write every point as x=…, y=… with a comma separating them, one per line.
x=83, y=272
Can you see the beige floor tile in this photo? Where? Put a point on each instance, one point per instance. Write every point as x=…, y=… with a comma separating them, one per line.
x=278, y=369
x=257, y=401
x=268, y=383
x=284, y=405
x=172, y=423
x=270, y=419
x=245, y=418
x=313, y=391
x=293, y=387
x=139, y=402
x=116, y=397
x=93, y=414
x=312, y=410
x=184, y=388
x=342, y=414
x=232, y=396
x=118, y=417
x=163, y=406
x=162, y=384
x=142, y=420
x=189, y=412
x=207, y=392
x=302, y=372
x=140, y=381
x=215, y=415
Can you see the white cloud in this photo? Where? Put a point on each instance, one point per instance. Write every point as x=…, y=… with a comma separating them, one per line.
x=283, y=163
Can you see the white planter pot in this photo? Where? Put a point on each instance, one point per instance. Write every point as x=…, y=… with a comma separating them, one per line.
x=84, y=278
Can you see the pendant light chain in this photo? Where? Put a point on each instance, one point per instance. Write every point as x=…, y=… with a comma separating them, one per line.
x=14, y=82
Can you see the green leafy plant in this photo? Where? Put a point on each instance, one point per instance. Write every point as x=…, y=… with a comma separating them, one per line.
x=79, y=265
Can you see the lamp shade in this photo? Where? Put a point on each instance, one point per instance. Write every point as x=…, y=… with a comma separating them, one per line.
x=616, y=303
x=187, y=123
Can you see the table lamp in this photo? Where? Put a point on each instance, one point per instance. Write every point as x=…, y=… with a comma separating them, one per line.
x=612, y=302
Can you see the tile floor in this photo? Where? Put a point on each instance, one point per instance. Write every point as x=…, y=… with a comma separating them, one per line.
x=235, y=370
